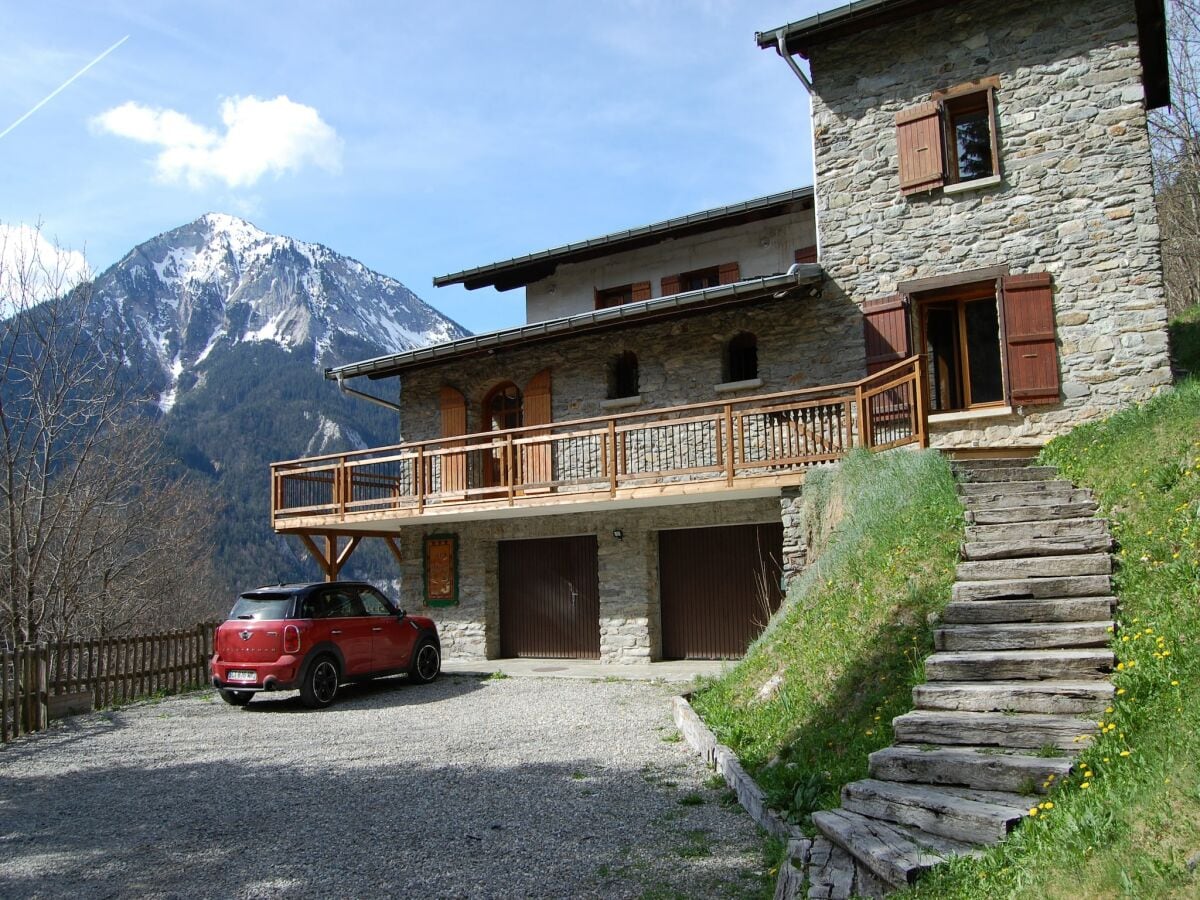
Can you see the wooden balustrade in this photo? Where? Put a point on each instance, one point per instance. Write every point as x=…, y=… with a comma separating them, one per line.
x=733, y=442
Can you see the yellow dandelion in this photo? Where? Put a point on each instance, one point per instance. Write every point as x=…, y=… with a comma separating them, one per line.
x=1033, y=810
x=1108, y=709
x=1124, y=752
x=1174, y=684
x=1120, y=691
x=1049, y=804
x=1085, y=785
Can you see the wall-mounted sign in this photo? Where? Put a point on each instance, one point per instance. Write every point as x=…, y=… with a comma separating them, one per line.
x=441, y=569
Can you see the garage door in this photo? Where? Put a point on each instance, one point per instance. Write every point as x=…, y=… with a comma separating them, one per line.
x=550, y=598
x=719, y=587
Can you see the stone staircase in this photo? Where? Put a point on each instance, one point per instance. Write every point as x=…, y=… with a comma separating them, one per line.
x=1019, y=671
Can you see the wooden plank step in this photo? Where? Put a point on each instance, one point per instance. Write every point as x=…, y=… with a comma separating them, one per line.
x=1051, y=528
x=1002, y=462
x=1005, y=499
x=898, y=855
x=1035, y=567
x=1019, y=665
x=1007, y=474
x=1024, y=547
x=1024, y=636
x=971, y=491
x=1021, y=730
x=830, y=871
x=979, y=817
x=1058, y=609
x=1005, y=514
x=1080, y=697
x=1033, y=588
x=981, y=768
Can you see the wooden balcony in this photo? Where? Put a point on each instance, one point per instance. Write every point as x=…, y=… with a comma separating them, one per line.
x=745, y=447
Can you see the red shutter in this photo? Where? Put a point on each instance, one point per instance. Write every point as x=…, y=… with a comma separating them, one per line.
x=728, y=273
x=1029, y=339
x=641, y=291
x=885, y=332
x=919, y=147
x=535, y=459
x=454, y=423
x=807, y=254
x=670, y=285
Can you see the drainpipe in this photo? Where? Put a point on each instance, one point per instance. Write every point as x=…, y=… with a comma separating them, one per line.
x=387, y=404
x=781, y=47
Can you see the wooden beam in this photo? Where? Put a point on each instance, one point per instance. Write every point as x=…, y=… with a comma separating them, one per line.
x=344, y=555
x=390, y=543
x=316, y=553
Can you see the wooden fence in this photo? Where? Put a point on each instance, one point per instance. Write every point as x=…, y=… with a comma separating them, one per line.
x=39, y=682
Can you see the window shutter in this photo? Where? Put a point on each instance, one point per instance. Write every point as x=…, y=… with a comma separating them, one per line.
x=885, y=332
x=919, y=147
x=454, y=423
x=807, y=254
x=728, y=273
x=534, y=460
x=1029, y=339
x=670, y=285
x=641, y=291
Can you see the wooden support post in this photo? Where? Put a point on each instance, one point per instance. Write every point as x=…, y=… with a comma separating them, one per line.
x=729, y=467
x=919, y=390
x=612, y=459
x=390, y=543
x=316, y=554
x=345, y=553
x=510, y=470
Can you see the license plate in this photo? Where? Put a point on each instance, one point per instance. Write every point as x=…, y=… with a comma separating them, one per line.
x=241, y=675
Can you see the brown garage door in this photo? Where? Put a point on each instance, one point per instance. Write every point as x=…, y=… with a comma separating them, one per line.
x=719, y=587
x=550, y=598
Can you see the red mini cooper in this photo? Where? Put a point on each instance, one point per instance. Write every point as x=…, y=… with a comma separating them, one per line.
x=315, y=637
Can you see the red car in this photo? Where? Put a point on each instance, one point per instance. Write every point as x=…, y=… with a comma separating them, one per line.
x=314, y=637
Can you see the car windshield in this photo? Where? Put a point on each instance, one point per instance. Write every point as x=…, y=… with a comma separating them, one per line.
x=262, y=605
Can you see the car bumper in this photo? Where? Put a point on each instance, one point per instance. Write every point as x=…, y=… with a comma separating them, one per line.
x=282, y=674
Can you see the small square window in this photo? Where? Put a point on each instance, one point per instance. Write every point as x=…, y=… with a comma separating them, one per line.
x=699, y=279
x=970, y=140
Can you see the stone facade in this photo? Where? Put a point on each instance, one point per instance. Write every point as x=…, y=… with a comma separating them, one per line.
x=1075, y=197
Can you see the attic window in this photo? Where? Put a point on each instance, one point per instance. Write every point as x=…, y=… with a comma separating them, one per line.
x=699, y=279
x=950, y=139
x=625, y=293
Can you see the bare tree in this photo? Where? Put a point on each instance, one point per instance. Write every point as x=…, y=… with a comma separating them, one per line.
x=97, y=533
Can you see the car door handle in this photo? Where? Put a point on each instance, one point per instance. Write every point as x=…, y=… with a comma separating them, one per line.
x=336, y=631
x=377, y=629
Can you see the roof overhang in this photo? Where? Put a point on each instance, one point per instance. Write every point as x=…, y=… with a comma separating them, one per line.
x=849, y=20
x=795, y=281
x=522, y=270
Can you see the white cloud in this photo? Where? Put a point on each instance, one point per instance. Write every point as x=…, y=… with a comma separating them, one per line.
x=261, y=137
x=33, y=268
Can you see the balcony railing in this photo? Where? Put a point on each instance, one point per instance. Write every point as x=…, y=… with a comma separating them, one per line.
x=732, y=443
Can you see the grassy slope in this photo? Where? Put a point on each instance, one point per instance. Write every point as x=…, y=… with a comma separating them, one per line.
x=851, y=639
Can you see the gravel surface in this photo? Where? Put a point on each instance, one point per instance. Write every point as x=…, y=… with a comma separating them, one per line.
x=462, y=788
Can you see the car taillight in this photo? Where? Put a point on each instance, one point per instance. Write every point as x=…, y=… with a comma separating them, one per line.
x=291, y=639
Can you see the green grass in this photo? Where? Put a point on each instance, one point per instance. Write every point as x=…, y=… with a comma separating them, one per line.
x=851, y=638
x=1185, y=340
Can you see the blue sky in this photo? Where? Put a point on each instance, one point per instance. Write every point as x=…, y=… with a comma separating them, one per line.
x=420, y=139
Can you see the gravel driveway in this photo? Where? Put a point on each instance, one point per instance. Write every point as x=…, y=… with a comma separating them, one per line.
x=463, y=788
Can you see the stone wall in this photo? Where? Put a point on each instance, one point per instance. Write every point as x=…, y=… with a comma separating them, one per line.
x=1075, y=197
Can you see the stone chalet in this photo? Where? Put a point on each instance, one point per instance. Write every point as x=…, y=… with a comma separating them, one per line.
x=977, y=269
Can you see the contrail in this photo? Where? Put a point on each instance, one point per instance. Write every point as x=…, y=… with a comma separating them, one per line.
x=58, y=90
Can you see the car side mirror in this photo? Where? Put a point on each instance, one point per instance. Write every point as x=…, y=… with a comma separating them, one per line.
x=400, y=613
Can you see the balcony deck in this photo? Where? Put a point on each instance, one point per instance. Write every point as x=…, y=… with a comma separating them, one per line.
x=695, y=453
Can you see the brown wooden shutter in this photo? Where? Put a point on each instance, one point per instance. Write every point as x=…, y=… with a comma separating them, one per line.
x=885, y=332
x=454, y=423
x=807, y=255
x=641, y=291
x=535, y=459
x=670, y=285
x=919, y=147
x=1029, y=339
x=728, y=273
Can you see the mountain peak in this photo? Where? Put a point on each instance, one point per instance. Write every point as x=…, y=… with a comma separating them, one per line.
x=237, y=230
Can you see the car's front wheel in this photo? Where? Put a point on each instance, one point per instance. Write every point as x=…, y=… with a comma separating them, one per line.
x=426, y=662
x=237, y=698
x=320, y=683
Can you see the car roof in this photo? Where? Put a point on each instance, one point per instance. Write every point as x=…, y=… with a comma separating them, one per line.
x=303, y=587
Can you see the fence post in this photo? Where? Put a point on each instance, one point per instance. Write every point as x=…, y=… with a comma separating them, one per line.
x=41, y=683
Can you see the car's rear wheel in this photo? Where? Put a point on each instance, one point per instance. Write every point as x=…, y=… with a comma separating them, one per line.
x=426, y=662
x=320, y=683
x=237, y=698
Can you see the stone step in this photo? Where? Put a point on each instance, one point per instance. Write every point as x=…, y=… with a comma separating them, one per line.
x=1021, y=730
x=1052, y=508
x=981, y=768
x=1019, y=665
x=1033, y=588
x=896, y=854
x=972, y=492
x=1047, y=697
x=1058, y=609
x=1024, y=636
x=1051, y=528
x=830, y=871
x=1007, y=474
x=974, y=817
x=1024, y=547
x=1035, y=567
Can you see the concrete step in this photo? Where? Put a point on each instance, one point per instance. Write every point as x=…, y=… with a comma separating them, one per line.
x=1033, y=588
x=896, y=854
x=1083, y=697
x=973, y=817
x=1019, y=665
x=1042, y=528
x=1024, y=636
x=1007, y=474
x=971, y=492
x=1025, y=547
x=833, y=874
x=1048, y=509
x=981, y=768
x=1020, y=730
x=1058, y=609
x=1035, y=567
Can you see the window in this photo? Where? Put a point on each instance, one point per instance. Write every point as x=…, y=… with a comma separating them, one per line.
x=625, y=293
x=741, y=358
x=623, y=376
x=950, y=139
x=960, y=336
x=700, y=279
x=969, y=137
x=502, y=407
x=375, y=603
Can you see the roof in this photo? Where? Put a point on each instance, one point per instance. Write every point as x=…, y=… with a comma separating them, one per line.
x=522, y=270
x=846, y=21
x=674, y=306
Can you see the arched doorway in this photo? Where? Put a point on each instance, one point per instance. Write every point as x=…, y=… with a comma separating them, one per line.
x=502, y=409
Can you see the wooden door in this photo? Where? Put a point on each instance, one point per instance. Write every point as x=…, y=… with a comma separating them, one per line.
x=719, y=587
x=550, y=598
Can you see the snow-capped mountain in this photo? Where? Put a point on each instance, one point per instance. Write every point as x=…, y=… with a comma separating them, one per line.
x=220, y=281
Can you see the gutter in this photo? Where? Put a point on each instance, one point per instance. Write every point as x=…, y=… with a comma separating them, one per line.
x=386, y=404
x=781, y=48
